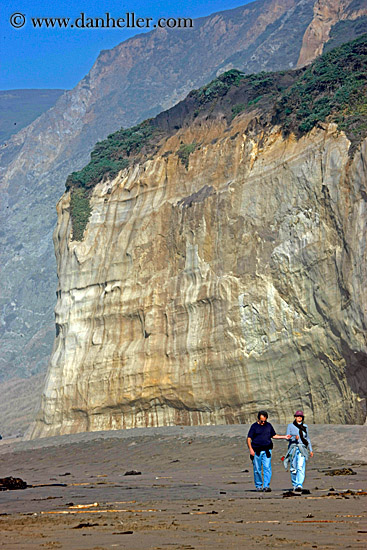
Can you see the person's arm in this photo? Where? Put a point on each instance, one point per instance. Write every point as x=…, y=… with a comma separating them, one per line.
x=252, y=452
x=274, y=435
x=309, y=444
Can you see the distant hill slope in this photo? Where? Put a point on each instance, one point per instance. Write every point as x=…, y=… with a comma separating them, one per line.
x=135, y=80
x=18, y=108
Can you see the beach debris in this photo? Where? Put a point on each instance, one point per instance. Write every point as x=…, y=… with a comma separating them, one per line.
x=82, y=525
x=65, y=474
x=346, y=494
x=132, y=473
x=45, y=498
x=341, y=472
x=99, y=511
x=349, y=516
x=12, y=483
x=200, y=513
x=289, y=494
x=320, y=521
x=49, y=485
x=84, y=505
x=123, y=533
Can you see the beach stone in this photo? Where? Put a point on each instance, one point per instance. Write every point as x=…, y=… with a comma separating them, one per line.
x=12, y=483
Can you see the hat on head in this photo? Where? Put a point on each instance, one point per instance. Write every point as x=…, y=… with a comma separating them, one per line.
x=299, y=413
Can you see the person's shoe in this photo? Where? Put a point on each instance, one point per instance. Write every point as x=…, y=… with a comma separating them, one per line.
x=259, y=489
x=298, y=489
x=267, y=490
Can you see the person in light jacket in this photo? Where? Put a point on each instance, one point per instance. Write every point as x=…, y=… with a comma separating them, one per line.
x=299, y=450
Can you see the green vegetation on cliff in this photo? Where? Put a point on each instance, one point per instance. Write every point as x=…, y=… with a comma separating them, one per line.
x=220, y=86
x=107, y=159
x=80, y=212
x=185, y=151
x=333, y=88
x=112, y=155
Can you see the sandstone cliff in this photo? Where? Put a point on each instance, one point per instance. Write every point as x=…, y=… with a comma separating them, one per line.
x=136, y=79
x=211, y=284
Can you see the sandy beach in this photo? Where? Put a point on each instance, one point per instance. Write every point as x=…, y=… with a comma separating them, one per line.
x=194, y=491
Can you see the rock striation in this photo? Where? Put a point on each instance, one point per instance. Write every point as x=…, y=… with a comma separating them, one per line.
x=208, y=288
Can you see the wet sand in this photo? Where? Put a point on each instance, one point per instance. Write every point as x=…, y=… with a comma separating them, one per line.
x=195, y=491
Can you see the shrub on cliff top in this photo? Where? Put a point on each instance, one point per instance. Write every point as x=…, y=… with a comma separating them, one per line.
x=334, y=85
x=112, y=155
x=219, y=86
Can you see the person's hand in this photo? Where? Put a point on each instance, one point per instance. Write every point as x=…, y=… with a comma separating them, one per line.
x=288, y=436
x=311, y=454
x=297, y=437
x=252, y=452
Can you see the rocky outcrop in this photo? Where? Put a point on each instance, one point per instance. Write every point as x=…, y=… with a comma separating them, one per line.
x=327, y=13
x=201, y=294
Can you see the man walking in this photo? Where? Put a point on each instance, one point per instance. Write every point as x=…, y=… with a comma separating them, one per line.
x=259, y=441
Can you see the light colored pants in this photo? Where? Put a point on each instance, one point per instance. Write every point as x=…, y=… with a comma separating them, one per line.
x=298, y=469
x=262, y=461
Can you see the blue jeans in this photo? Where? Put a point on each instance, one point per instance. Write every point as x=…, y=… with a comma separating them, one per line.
x=298, y=469
x=262, y=461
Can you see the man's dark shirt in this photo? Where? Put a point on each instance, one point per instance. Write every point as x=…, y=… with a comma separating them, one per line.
x=260, y=435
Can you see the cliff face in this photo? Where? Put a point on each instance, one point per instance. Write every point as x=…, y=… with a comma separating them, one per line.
x=134, y=80
x=201, y=294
